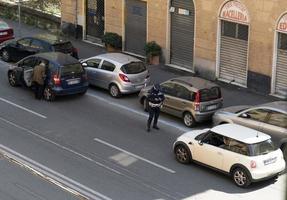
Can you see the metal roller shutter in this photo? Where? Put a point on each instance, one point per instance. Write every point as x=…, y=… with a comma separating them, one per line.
x=182, y=33
x=281, y=73
x=135, y=27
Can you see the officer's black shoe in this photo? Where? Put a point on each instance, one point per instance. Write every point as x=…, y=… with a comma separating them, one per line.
x=156, y=127
x=148, y=129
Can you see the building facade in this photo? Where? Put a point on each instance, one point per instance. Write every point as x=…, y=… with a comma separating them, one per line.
x=241, y=42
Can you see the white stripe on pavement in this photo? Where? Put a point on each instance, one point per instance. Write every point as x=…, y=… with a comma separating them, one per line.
x=60, y=146
x=58, y=179
x=135, y=156
x=23, y=108
x=168, y=123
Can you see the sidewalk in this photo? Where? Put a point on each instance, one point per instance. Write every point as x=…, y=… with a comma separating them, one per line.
x=233, y=95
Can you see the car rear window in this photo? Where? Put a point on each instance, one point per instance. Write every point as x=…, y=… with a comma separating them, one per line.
x=63, y=47
x=262, y=148
x=68, y=70
x=3, y=25
x=210, y=94
x=133, y=68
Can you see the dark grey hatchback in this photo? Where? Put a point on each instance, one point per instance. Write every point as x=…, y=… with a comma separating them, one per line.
x=65, y=74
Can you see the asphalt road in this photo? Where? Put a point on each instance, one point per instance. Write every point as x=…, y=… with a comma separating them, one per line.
x=98, y=146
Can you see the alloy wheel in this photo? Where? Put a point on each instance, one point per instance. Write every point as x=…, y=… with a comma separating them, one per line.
x=114, y=91
x=5, y=55
x=182, y=154
x=188, y=119
x=12, y=79
x=240, y=178
x=48, y=94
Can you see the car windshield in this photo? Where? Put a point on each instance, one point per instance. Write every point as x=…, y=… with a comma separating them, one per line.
x=262, y=148
x=133, y=68
x=210, y=94
x=67, y=70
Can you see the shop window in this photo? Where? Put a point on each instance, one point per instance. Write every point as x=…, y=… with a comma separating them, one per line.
x=234, y=30
x=282, y=41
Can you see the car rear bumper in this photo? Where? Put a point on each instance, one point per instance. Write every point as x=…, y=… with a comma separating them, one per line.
x=132, y=88
x=75, y=90
x=3, y=39
x=203, y=116
x=267, y=173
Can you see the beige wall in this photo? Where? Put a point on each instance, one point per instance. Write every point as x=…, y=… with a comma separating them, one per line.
x=263, y=17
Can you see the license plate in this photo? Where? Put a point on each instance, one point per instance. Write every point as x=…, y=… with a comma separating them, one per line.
x=72, y=82
x=3, y=33
x=270, y=161
x=212, y=107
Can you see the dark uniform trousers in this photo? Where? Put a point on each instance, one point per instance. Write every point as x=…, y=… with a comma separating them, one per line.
x=153, y=115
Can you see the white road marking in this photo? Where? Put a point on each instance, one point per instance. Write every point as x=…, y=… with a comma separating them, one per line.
x=23, y=108
x=133, y=155
x=60, y=146
x=58, y=179
x=168, y=123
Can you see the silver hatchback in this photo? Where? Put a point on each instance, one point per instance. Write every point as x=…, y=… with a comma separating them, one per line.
x=117, y=72
x=270, y=118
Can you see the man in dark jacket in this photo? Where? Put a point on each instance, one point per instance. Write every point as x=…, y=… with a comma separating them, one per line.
x=155, y=100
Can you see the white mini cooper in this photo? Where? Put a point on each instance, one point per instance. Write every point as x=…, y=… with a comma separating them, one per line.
x=246, y=154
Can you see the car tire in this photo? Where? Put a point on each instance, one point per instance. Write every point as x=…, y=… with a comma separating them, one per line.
x=182, y=154
x=114, y=91
x=49, y=95
x=284, y=151
x=5, y=55
x=12, y=79
x=241, y=177
x=145, y=104
x=188, y=119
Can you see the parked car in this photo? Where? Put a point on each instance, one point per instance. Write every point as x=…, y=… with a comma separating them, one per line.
x=116, y=72
x=247, y=155
x=18, y=49
x=6, y=32
x=191, y=98
x=270, y=118
x=65, y=74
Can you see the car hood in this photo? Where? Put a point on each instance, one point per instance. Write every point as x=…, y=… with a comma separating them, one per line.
x=234, y=109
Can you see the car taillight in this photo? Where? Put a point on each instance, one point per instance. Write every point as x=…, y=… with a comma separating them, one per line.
x=253, y=164
x=124, y=78
x=57, y=80
x=197, y=101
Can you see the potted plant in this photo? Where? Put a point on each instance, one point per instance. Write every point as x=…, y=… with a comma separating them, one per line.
x=153, y=52
x=112, y=41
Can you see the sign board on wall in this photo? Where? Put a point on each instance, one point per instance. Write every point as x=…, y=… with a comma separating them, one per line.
x=235, y=11
x=282, y=24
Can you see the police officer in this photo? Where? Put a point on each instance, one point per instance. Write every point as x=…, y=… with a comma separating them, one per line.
x=155, y=100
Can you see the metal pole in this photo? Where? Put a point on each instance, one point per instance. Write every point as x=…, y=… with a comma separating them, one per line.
x=19, y=17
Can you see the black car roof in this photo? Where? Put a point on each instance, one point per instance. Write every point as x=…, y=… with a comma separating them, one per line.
x=57, y=58
x=51, y=39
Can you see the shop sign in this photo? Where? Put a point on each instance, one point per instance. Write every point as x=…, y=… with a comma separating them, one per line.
x=282, y=24
x=235, y=11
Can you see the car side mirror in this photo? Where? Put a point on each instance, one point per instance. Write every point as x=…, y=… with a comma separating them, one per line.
x=200, y=142
x=245, y=115
x=84, y=64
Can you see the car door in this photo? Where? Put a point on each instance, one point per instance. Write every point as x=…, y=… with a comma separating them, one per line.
x=92, y=69
x=36, y=46
x=276, y=126
x=106, y=74
x=28, y=65
x=252, y=118
x=168, y=88
x=207, y=151
x=20, y=49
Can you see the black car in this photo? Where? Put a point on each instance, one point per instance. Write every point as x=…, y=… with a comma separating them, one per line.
x=65, y=74
x=18, y=49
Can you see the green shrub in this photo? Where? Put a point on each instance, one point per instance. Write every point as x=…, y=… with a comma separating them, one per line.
x=152, y=49
x=112, y=39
